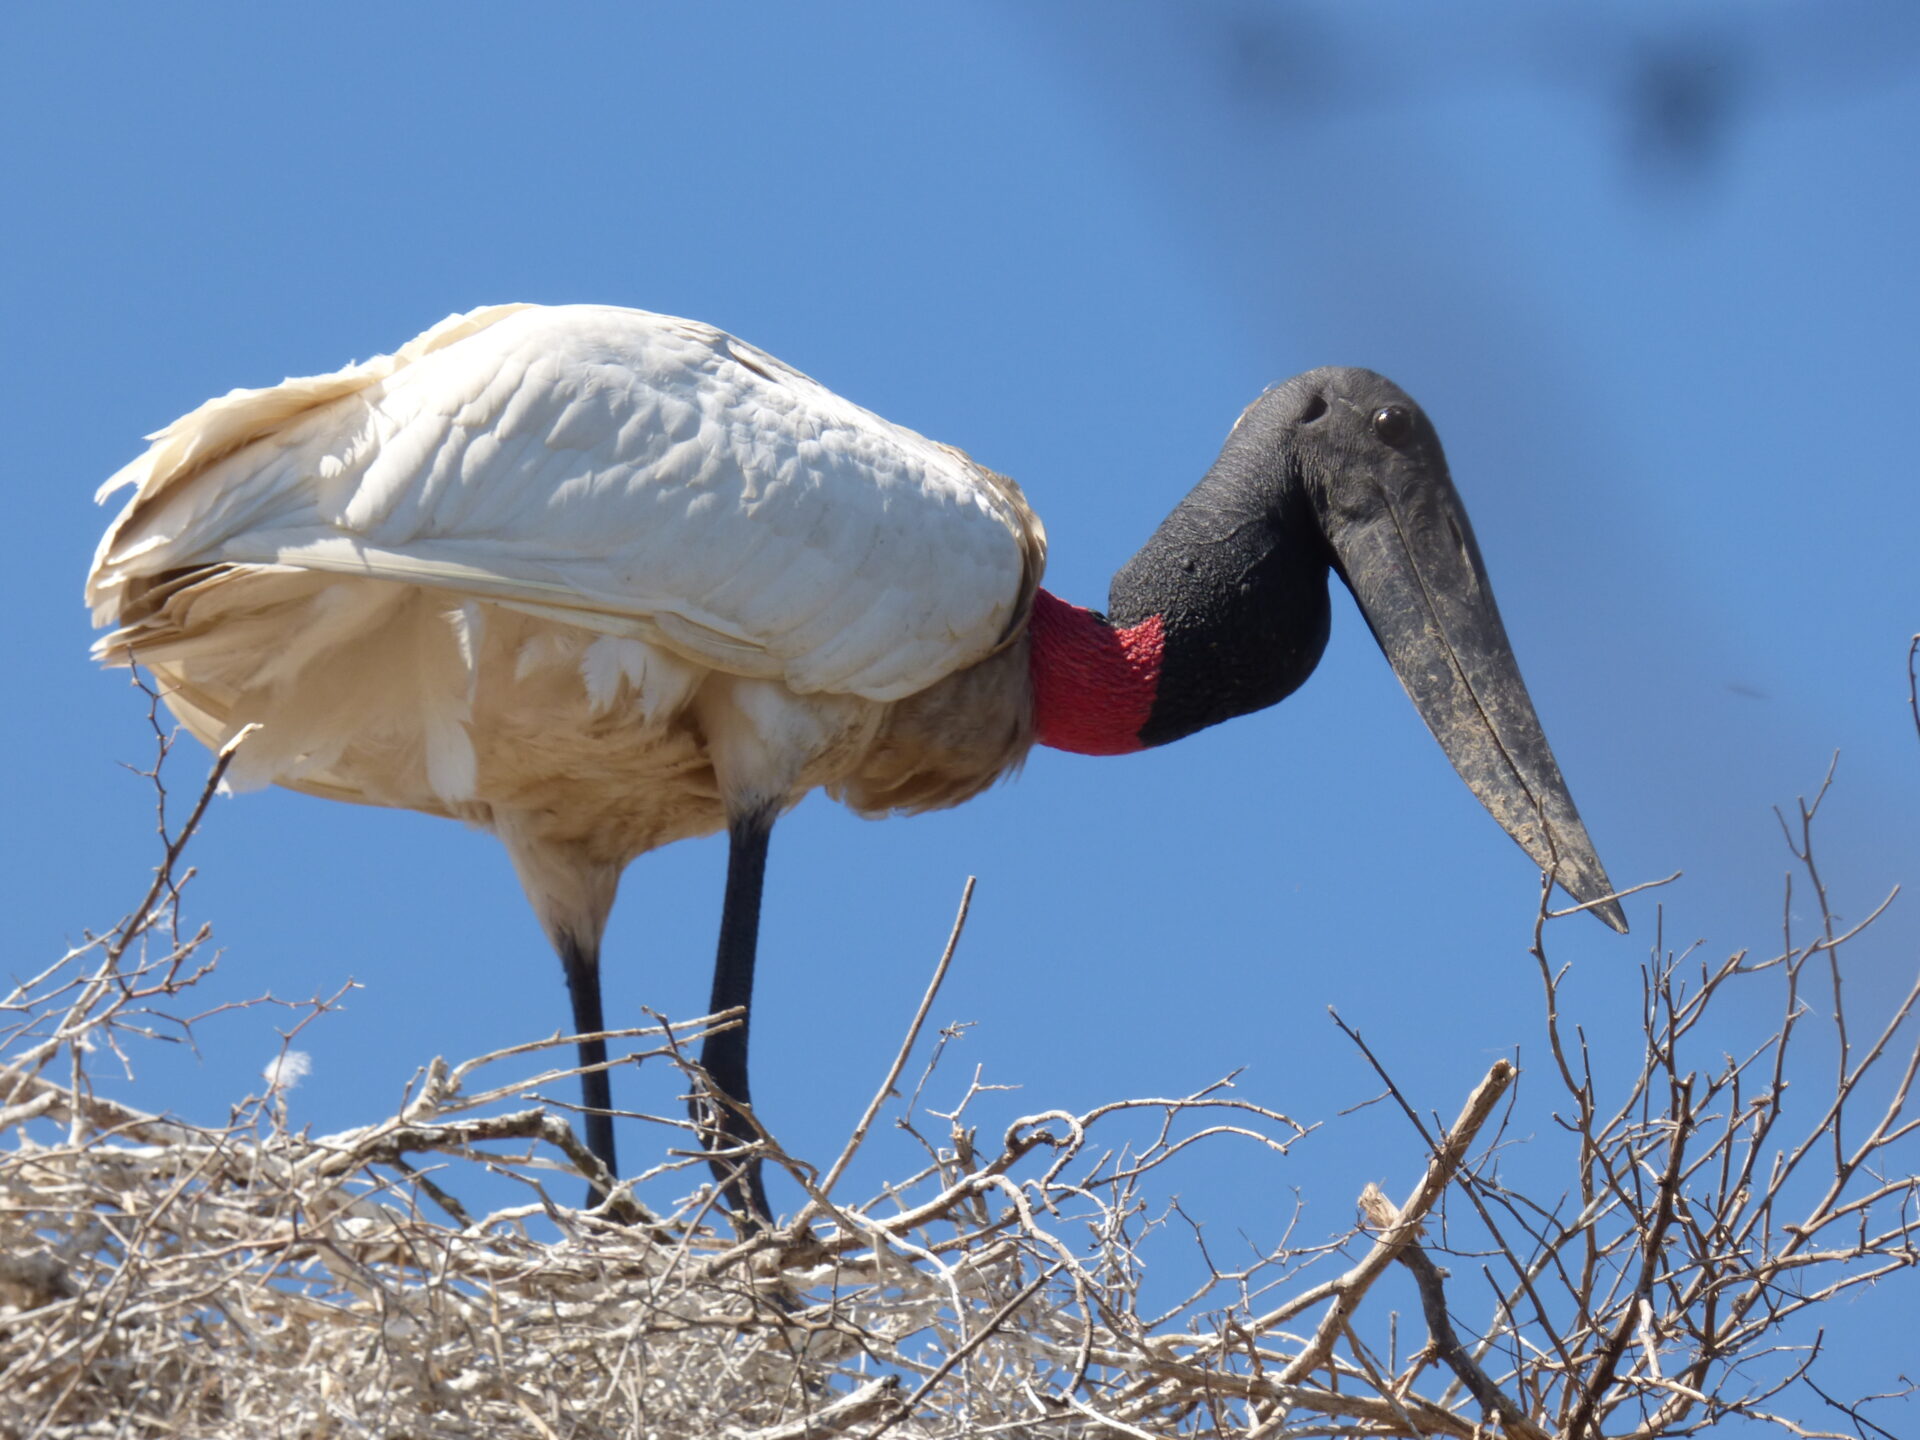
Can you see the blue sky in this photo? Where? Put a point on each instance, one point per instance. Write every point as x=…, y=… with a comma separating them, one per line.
x=1652, y=276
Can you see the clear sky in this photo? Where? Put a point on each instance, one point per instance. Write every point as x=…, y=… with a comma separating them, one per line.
x=1653, y=275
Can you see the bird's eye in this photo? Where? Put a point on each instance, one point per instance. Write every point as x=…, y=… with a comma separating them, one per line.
x=1315, y=407
x=1393, y=424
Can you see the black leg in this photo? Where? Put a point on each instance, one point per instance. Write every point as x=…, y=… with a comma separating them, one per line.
x=582, y=964
x=724, y=1055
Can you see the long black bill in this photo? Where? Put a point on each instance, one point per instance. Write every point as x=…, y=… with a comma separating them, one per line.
x=1408, y=554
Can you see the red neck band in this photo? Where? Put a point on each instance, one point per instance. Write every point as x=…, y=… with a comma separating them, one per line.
x=1093, y=685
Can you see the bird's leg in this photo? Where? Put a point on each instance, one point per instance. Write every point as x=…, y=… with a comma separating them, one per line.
x=582, y=963
x=724, y=1056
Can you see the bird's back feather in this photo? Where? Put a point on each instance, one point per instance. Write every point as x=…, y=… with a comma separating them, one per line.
x=631, y=473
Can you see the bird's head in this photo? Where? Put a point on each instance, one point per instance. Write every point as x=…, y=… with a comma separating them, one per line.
x=1338, y=469
x=1370, y=462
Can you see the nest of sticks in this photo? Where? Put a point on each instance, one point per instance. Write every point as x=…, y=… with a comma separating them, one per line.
x=163, y=1279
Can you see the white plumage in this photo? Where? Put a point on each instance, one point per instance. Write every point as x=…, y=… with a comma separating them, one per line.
x=591, y=577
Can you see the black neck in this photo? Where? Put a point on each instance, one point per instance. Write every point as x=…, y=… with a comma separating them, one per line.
x=1238, y=576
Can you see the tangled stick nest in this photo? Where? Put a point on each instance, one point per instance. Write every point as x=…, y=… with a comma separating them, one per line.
x=244, y=1282
x=162, y=1279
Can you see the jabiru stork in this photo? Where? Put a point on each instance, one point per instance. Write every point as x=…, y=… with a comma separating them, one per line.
x=597, y=579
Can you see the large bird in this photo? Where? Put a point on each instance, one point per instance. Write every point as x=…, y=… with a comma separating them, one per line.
x=597, y=579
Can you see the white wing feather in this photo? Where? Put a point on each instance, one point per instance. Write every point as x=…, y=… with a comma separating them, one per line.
x=625, y=472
